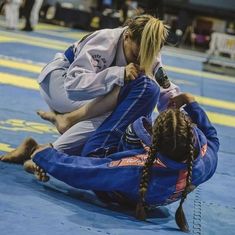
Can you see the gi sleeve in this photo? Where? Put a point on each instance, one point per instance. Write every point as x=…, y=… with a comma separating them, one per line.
x=91, y=74
x=165, y=92
x=199, y=117
x=87, y=172
x=157, y=64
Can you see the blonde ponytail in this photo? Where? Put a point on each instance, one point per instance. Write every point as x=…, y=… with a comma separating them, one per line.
x=150, y=33
x=153, y=37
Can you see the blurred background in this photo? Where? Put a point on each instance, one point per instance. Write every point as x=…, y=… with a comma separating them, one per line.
x=193, y=21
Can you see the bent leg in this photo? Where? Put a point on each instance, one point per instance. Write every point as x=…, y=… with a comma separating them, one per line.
x=73, y=140
x=53, y=92
x=95, y=108
x=138, y=98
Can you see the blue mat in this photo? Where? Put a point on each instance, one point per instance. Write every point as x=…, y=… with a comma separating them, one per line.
x=29, y=207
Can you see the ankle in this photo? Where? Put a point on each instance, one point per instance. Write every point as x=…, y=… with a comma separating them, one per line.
x=39, y=148
x=68, y=121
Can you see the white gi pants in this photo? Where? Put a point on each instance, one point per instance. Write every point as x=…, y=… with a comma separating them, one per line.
x=53, y=91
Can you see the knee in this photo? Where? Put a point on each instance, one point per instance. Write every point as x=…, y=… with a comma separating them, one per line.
x=149, y=87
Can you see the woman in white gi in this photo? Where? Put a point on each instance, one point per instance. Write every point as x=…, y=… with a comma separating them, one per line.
x=84, y=82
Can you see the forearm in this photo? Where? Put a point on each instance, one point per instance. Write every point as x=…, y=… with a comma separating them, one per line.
x=199, y=116
x=80, y=172
x=95, y=108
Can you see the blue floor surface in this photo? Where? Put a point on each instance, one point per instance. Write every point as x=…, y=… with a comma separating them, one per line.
x=28, y=207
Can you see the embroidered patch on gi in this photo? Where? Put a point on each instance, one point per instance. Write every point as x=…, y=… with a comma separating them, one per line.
x=181, y=181
x=137, y=160
x=99, y=62
x=179, y=187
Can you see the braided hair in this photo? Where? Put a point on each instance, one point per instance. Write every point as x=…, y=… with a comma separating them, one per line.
x=172, y=136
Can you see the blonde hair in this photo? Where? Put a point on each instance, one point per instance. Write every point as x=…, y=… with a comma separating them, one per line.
x=150, y=33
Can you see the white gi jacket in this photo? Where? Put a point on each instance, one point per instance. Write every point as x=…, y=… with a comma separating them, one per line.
x=98, y=65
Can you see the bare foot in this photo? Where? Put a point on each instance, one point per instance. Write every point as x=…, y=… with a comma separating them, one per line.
x=39, y=148
x=60, y=121
x=21, y=153
x=32, y=168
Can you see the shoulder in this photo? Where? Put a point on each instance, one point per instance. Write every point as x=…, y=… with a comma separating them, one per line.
x=101, y=39
x=106, y=35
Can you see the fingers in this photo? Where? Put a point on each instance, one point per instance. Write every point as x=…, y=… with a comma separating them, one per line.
x=137, y=67
x=176, y=102
x=172, y=104
x=133, y=75
x=41, y=175
x=132, y=71
x=181, y=99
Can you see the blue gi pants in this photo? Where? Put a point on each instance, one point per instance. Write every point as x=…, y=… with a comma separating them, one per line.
x=137, y=98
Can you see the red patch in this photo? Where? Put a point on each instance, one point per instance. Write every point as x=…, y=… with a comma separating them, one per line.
x=137, y=160
x=181, y=181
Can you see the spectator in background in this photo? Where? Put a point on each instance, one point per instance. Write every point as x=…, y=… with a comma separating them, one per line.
x=129, y=9
x=34, y=17
x=230, y=28
x=155, y=8
x=152, y=7
x=2, y=3
x=27, y=9
x=12, y=13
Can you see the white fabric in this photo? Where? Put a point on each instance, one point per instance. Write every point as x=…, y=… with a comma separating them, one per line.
x=34, y=16
x=12, y=13
x=165, y=95
x=222, y=43
x=53, y=92
x=99, y=64
x=72, y=140
x=92, y=74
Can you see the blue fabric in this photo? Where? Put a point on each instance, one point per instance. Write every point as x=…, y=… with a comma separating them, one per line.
x=137, y=98
x=69, y=54
x=29, y=207
x=110, y=174
x=141, y=132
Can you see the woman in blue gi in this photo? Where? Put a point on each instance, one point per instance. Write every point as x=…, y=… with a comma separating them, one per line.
x=131, y=162
x=93, y=70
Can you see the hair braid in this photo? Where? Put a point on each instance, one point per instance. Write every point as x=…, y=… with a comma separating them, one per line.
x=173, y=136
x=140, y=207
x=179, y=215
x=159, y=126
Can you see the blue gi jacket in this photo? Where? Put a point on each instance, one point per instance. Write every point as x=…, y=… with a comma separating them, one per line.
x=120, y=172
